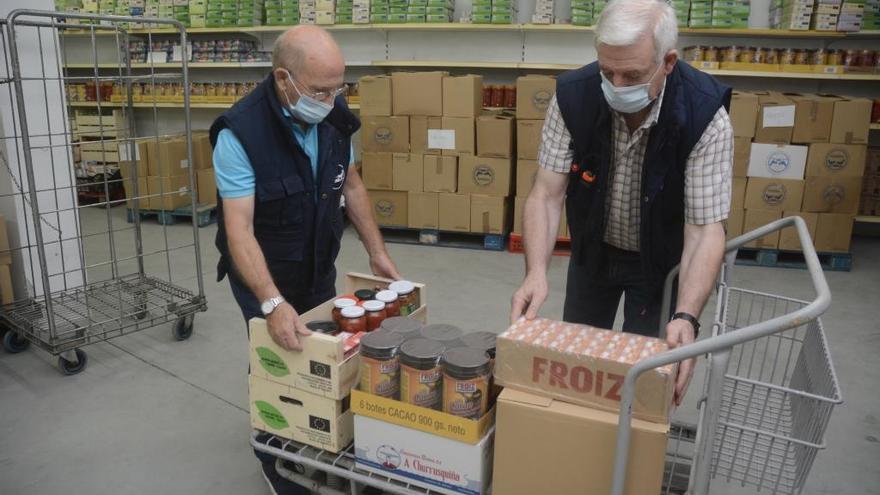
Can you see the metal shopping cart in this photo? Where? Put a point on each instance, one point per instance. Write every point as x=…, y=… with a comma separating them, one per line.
x=84, y=273
x=769, y=393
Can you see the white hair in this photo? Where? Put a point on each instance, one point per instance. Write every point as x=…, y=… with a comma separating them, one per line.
x=625, y=22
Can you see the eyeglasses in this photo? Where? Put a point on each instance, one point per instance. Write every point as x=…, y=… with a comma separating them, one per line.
x=320, y=95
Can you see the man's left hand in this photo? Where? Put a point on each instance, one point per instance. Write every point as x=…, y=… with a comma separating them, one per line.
x=382, y=266
x=678, y=333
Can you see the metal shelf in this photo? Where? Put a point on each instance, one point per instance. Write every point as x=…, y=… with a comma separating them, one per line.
x=175, y=65
x=110, y=104
x=875, y=127
x=868, y=219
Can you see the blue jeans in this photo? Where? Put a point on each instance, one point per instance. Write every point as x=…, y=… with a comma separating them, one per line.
x=592, y=296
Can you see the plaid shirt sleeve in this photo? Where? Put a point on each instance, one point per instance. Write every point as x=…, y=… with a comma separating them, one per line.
x=708, y=176
x=555, y=153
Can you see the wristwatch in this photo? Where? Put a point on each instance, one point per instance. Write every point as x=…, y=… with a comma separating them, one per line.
x=270, y=304
x=688, y=318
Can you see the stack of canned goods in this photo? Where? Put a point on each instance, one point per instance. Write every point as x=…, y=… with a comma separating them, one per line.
x=434, y=366
x=850, y=58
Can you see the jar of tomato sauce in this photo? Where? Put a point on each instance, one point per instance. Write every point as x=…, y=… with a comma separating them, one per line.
x=353, y=320
x=340, y=304
x=392, y=305
x=375, y=314
x=409, y=300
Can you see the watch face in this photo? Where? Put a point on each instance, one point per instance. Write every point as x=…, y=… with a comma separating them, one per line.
x=267, y=307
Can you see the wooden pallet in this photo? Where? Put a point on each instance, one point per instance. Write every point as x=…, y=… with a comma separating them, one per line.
x=431, y=237
x=774, y=258
x=563, y=245
x=205, y=215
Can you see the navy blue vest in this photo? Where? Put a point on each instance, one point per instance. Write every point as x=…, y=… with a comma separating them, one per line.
x=298, y=221
x=690, y=102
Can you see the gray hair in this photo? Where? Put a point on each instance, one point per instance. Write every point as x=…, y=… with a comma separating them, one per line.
x=624, y=22
x=287, y=54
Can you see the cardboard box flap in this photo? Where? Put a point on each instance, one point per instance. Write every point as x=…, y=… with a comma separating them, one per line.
x=520, y=397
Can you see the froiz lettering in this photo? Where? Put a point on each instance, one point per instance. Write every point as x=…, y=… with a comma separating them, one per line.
x=579, y=378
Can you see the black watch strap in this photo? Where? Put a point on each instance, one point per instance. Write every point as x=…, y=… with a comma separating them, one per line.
x=688, y=318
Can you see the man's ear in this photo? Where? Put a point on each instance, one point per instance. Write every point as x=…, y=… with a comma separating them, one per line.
x=669, y=60
x=280, y=75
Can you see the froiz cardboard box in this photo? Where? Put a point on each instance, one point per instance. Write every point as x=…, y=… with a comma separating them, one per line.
x=777, y=161
x=429, y=461
x=390, y=208
x=388, y=134
x=375, y=93
x=533, y=96
x=323, y=367
x=417, y=93
x=583, y=365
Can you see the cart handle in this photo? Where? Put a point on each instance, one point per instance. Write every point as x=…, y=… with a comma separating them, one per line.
x=721, y=342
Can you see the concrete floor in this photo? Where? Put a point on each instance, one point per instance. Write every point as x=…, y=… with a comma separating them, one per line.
x=152, y=415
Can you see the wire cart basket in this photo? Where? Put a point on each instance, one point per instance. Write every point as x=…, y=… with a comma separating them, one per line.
x=767, y=400
x=83, y=273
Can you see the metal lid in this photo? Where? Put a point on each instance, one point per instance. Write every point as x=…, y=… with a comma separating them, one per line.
x=402, y=325
x=402, y=287
x=373, y=305
x=323, y=326
x=365, y=294
x=380, y=344
x=480, y=340
x=343, y=302
x=465, y=362
x=353, y=312
x=442, y=332
x=421, y=352
x=386, y=296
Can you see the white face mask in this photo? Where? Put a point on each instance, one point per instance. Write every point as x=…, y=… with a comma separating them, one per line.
x=307, y=109
x=628, y=99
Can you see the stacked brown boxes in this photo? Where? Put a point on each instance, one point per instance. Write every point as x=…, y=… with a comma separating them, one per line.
x=871, y=184
x=797, y=155
x=162, y=171
x=203, y=163
x=7, y=295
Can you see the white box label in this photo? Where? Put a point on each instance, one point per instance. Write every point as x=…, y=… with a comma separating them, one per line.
x=782, y=116
x=441, y=139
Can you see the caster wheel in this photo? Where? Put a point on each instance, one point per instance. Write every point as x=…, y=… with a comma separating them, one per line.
x=70, y=368
x=141, y=312
x=14, y=343
x=183, y=328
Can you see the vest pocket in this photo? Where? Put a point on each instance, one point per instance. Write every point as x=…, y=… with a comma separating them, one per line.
x=279, y=218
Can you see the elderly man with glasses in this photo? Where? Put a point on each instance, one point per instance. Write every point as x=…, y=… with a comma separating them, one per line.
x=283, y=161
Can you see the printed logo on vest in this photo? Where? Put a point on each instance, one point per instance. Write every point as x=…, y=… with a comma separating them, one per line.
x=384, y=208
x=383, y=135
x=541, y=99
x=774, y=194
x=833, y=194
x=339, y=180
x=778, y=162
x=388, y=456
x=484, y=175
x=836, y=159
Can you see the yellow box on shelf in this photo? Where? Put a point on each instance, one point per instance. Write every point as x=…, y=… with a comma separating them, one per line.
x=421, y=418
x=750, y=66
x=704, y=65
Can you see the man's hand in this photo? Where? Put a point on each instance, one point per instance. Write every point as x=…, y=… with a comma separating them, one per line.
x=382, y=266
x=529, y=298
x=285, y=327
x=678, y=333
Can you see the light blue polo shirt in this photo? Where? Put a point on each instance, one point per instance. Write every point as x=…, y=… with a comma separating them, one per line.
x=232, y=168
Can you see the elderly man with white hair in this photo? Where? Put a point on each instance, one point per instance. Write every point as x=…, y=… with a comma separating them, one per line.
x=639, y=147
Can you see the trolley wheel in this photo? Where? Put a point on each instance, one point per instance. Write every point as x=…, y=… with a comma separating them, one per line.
x=183, y=327
x=165, y=218
x=14, y=343
x=70, y=368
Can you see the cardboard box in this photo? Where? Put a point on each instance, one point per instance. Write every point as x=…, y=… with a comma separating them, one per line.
x=298, y=415
x=851, y=121
x=389, y=134
x=168, y=193
x=812, y=117
x=734, y=223
x=375, y=93
x=203, y=153
x=408, y=171
x=462, y=96
x=738, y=193
x=7, y=293
x=417, y=93
x=423, y=210
x=418, y=134
x=377, y=170
x=832, y=194
x=440, y=173
x=776, y=118
x=462, y=131
x=556, y=360
x=743, y=114
x=170, y=159
x=528, y=138
x=142, y=192
x=455, y=212
x=774, y=194
x=389, y=207
x=495, y=135
x=488, y=214
x=526, y=171
x=759, y=218
x=533, y=95
x=483, y=175
x=5, y=252
x=130, y=169
x=569, y=449
x=836, y=160
x=207, y=187
x=833, y=232
x=788, y=238
x=423, y=459
x=777, y=161
x=742, y=150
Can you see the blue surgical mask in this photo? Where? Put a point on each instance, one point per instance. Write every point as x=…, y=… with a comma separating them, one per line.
x=307, y=109
x=628, y=99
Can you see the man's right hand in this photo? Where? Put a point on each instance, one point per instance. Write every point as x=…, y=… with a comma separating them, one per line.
x=529, y=298
x=286, y=327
